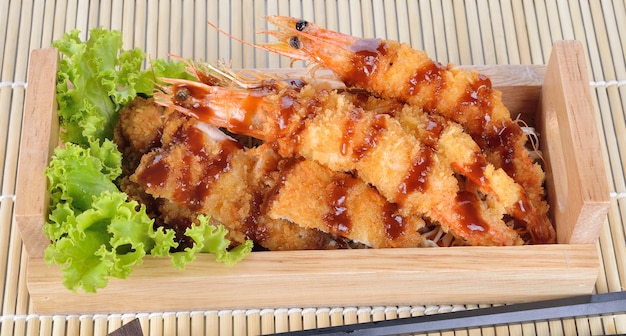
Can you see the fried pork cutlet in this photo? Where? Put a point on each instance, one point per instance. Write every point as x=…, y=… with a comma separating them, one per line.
x=180, y=171
x=338, y=203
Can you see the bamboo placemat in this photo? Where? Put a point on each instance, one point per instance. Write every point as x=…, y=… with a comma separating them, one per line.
x=460, y=32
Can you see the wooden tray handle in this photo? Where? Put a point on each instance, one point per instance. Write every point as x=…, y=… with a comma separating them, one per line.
x=40, y=131
x=568, y=130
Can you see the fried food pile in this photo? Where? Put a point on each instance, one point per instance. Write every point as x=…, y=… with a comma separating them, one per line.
x=410, y=153
x=335, y=177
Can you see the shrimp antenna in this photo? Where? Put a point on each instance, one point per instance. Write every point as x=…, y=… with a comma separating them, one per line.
x=236, y=38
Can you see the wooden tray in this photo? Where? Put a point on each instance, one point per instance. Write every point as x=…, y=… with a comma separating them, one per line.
x=555, y=98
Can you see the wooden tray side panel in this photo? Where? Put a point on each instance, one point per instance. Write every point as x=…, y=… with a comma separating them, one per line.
x=40, y=133
x=334, y=278
x=577, y=186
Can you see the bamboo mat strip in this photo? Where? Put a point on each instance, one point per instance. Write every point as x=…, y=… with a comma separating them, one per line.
x=474, y=32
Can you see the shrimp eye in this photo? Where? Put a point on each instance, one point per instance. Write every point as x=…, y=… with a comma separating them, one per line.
x=301, y=25
x=182, y=94
x=295, y=43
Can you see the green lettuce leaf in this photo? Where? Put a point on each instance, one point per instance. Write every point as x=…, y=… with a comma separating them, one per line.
x=211, y=239
x=96, y=232
x=95, y=79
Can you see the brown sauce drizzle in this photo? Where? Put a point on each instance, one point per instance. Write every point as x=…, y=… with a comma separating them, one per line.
x=371, y=137
x=366, y=55
x=253, y=228
x=429, y=74
x=434, y=128
x=191, y=192
x=338, y=219
x=478, y=93
x=348, y=131
x=155, y=174
x=475, y=171
x=502, y=139
x=468, y=209
x=394, y=223
x=477, y=98
x=416, y=179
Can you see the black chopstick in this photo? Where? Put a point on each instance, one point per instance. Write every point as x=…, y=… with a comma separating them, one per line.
x=586, y=305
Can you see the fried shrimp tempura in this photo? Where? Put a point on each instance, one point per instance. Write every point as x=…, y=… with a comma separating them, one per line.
x=394, y=70
x=324, y=126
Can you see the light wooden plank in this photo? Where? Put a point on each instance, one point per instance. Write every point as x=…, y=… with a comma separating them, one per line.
x=163, y=30
x=212, y=34
x=601, y=283
x=260, y=57
x=402, y=15
x=292, y=288
x=16, y=282
x=474, y=33
x=319, y=8
x=152, y=28
x=356, y=25
x=486, y=32
x=391, y=20
x=428, y=29
x=117, y=14
x=521, y=32
x=534, y=39
x=47, y=25
x=499, y=34
x=544, y=30
x=105, y=14
x=380, y=30
x=236, y=29
x=465, y=52
x=586, y=201
x=130, y=25
x=100, y=325
x=566, y=19
x=616, y=216
x=82, y=17
x=31, y=184
x=554, y=20
x=71, y=16
x=200, y=41
x=441, y=47
x=4, y=17
x=308, y=10
x=141, y=25
x=247, y=34
x=452, y=46
x=309, y=318
x=175, y=33
x=368, y=19
x=343, y=16
x=510, y=37
x=283, y=9
x=415, y=29
x=267, y=321
x=620, y=13
x=609, y=261
x=322, y=317
x=58, y=325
